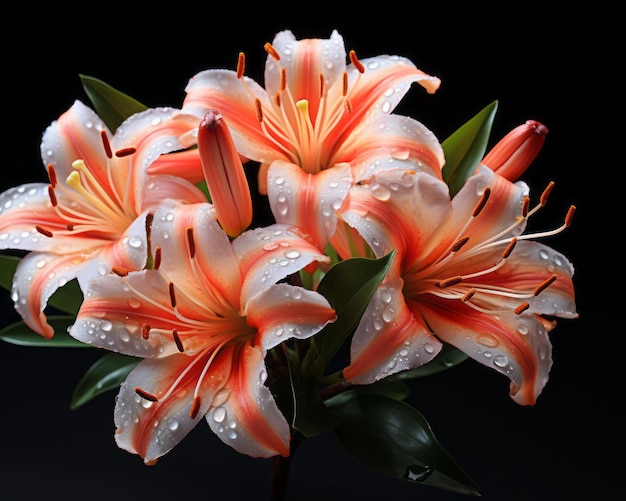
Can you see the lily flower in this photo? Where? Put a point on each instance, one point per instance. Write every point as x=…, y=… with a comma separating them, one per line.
x=92, y=213
x=514, y=153
x=464, y=273
x=319, y=125
x=203, y=319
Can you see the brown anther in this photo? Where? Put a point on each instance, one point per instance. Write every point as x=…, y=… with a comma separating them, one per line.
x=544, y=285
x=52, y=195
x=259, y=110
x=119, y=271
x=177, y=340
x=271, y=51
x=157, y=258
x=172, y=294
x=191, y=243
x=344, y=84
x=482, y=202
x=509, y=248
x=52, y=175
x=145, y=331
x=106, y=144
x=347, y=104
x=69, y=226
x=322, y=86
x=241, y=64
x=525, y=206
x=276, y=100
x=544, y=196
x=450, y=281
x=468, y=295
x=355, y=61
x=124, y=152
x=195, y=407
x=522, y=308
x=283, y=79
x=570, y=215
x=460, y=243
x=145, y=395
x=43, y=231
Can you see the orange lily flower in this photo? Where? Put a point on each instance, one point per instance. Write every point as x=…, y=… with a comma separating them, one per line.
x=204, y=319
x=92, y=213
x=464, y=273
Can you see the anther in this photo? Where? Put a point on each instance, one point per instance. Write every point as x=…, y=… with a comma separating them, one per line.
x=344, y=84
x=241, y=64
x=283, y=79
x=468, y=295
x=177, y=340
x=460, y=243
x=52, y=175
x=191, y=243
x=52, y=195
x=106, y=144
x=544, y=285
x=43, y=231
x=259, y=110
x=276, y=101
x=124, y=152
x=145, y=331
x=448, y=282
x=172, y=294
x=522, y=308
x=145, y=395
x=119, y=271
x=195, y=407
x=355, y=61
x=546, y=193
x=347, y=104
x=509, y=248
x=271, y=51
x=525, y=206
x=322, y=85
x=570, y=215
x=482, y=202
x=157, y=258
x=69, y=226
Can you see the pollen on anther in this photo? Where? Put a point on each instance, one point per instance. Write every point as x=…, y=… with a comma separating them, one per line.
x=241, y=64
x=118, y=270
x=178, y=341
x=283, y=79
x=448, y=282
x=43, y=231
x=468, y=295
x=124, y=152
x=195, y=407
x=570, y=215
x=106, y=144
x=157, y=258
x=509, y=248
x=544, y=196
x=482, y=202
x=525, y=206
x=191, y=243
x=145, y=331
x=145, y=395
x=259, y=110
x=522, y=308
x=460, y=243
x=544, y=285
x=271, y=51
x=69, y=226
x=52, y=175
x=347, y=104
x=172, y=294
x=355, y=61
x=52, y=195
x=344, y=84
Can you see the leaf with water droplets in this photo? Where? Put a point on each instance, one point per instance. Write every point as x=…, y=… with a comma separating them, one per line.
x=19, y=333
x=394, y=439
x=106, y=373
x=465, y=148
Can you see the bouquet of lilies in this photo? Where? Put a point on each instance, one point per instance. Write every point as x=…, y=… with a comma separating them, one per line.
x=389, y=256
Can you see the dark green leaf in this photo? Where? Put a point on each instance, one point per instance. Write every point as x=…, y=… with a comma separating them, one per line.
x=394, y=439
x=19, y=333
x=111, y=105
x=106, y=374
x=448, y=357
x=466, y=147
x=348, y=286
x=8, y=264
x=392, y=388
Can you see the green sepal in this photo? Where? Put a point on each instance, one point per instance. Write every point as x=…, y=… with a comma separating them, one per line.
x=394, y=439
x=105, y=374
x=466, y=147
x=19, y=333
x=448, y=357
x=348, y=286
x=111, y=105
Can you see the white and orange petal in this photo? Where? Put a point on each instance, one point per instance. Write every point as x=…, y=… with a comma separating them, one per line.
x=249, y=419
x=308, y=201
x=389, y=338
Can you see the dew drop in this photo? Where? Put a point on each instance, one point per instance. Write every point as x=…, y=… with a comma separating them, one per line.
x=500, y=360
x=219, y=414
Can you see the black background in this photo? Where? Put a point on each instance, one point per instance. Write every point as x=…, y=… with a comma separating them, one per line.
x=555, y=64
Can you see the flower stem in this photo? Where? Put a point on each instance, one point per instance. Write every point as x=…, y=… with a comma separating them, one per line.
x=281, y=467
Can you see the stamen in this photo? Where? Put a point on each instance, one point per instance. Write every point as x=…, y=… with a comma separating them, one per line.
x=53, y=196
x=271, y=51
x=344, y=84
x=192, y=245
x=124, y=152
x=106, y=144
x=355, y=61
x=119, y=271
x=195, y=407
x=347, y=104
x=241, y=64
x=43, y=231
x=460, y=243
x=468, y=295
x=482, y=202
x=145, y=331
x=52, y=175
x=70, y=226
x=145, y=395
x=570, y=215
x=276, y=102
x=322, y=85
x=544, y=196
x=177, y=340
x=522, y=308
x=509, y=248
x=283, y=79
x=525, y=206
x=259, y=110
x=448, y=282
x=157, y=258
x=544, y=285
x=172, y=294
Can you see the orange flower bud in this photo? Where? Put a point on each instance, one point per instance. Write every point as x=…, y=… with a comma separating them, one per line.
x=224, y=174
x=517, y=150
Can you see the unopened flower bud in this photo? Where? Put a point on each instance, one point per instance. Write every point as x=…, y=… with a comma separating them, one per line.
x=512, y=155
x=224, y=174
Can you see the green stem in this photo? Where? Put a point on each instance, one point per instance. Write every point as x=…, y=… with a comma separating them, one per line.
x=281, y=468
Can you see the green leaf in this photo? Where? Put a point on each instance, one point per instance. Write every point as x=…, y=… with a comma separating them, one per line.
x=348, y=286
x=106, y=374
x=466, y=147
x=394, y=439
x=448, y=357
x=392, y=388
x=8, y=264
x=111, y=105
x=19, y=333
